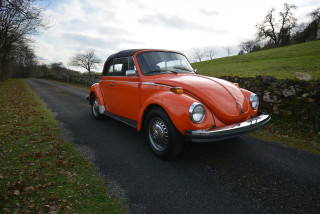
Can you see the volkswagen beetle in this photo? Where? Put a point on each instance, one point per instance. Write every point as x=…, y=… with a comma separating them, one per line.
x=159, y=93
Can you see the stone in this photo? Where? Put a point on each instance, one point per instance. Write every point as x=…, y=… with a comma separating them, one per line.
x=310, y=100
x=287, y=92
x=270, y=99
x=302, y=76
x=276, y=109
x=274, y=85
x=266, y=79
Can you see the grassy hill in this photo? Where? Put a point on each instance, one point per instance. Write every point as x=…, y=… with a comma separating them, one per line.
x=279, y=62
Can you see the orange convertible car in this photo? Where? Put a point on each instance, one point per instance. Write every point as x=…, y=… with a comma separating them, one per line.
x=157, y=91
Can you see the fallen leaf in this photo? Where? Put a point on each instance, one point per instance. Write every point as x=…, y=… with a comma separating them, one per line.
x=62, y=206
x=29, y=188
x=16, y=192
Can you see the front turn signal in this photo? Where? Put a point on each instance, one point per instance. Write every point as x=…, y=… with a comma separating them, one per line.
x=177, y=90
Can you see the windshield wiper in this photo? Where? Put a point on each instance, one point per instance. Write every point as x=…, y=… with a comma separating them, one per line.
x=173, y=72
x=160, y=71
x=182, y=68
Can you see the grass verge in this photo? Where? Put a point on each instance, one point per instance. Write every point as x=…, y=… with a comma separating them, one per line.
x=39, y=173
x=294, y=134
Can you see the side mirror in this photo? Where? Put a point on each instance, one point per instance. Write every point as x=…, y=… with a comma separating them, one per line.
x=195, y=71
x=130, y=73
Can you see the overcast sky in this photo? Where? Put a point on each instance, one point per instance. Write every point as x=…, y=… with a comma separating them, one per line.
x=108, y=26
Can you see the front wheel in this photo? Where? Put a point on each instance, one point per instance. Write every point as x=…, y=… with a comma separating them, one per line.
x=95, y=107
x=164, y=139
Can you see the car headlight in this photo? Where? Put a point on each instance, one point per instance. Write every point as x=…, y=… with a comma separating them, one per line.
x=254, y=100
x=197, y=112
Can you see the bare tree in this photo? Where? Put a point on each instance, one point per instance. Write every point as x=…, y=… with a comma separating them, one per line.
x=279, y=31
x=18, y=20
x=209, y=52
x=87, y=60
x=198, y=54
x=25, y=60
x=228, y=49
x=249, y=45
x=315, y=15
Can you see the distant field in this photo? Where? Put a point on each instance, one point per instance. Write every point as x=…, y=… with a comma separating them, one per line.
x=279, y=62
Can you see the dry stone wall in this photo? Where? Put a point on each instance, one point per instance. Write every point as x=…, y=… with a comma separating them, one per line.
x=86, y=79
x=295, y=99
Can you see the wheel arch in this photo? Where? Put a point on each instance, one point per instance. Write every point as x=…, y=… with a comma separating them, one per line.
x=176, y=107
x=95, y=89
x=145, y=113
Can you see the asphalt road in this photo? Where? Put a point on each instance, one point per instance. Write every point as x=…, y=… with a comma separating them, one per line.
x=243, y=175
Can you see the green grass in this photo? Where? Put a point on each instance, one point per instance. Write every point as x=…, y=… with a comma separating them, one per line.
x=279, y=62
x=288, y=132
x=39, y=172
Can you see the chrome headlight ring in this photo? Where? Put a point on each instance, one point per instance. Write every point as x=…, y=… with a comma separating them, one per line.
x=254, y=101
x=197, y=112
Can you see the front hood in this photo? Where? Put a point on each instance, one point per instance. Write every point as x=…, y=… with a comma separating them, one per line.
x=222, y=97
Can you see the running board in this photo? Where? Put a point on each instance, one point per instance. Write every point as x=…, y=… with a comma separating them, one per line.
x=127, y=121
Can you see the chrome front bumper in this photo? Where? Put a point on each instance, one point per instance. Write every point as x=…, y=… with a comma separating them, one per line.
x=229, y=131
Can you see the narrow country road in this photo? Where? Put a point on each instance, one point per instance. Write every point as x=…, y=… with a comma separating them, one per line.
x=242, y=175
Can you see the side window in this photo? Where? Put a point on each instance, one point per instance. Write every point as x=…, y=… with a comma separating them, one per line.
x=119, y=66
x=108, y=69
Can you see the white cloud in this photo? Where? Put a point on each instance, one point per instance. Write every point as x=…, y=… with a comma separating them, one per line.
x=113, y=25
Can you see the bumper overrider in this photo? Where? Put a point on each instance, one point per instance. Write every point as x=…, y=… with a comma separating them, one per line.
x=226, y=132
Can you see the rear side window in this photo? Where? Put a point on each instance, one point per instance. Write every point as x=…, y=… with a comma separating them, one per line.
x=108, y=68
x=119, y=66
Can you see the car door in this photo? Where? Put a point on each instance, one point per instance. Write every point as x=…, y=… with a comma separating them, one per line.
x=107, y=77
x=123, y=91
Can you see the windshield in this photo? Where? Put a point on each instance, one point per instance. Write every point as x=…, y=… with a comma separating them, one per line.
x=153, y=63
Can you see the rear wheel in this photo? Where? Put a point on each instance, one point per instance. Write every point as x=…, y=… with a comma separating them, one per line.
x=164, y=139
x=95, y=107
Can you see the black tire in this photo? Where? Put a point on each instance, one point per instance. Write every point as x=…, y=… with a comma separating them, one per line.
x=95, y=107
x=164, y=139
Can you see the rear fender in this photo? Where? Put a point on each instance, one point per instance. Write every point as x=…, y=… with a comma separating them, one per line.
x=177, y=107
x=95, y=89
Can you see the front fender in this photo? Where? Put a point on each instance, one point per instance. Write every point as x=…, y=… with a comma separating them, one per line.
x=95, y=88
x=177, y=107
x=247, y=94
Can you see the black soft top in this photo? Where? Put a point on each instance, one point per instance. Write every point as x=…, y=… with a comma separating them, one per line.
x=127, y=53
x=124, y=53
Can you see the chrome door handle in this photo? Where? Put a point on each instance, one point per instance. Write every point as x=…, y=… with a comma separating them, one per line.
x=112, y=84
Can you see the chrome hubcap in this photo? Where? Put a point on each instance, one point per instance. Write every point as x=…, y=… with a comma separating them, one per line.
x=158, y=134
x=95, y=107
